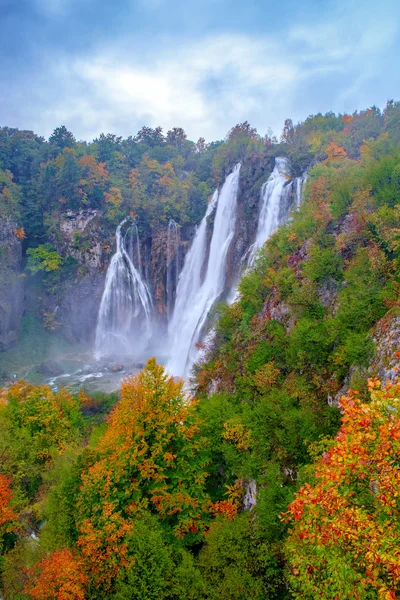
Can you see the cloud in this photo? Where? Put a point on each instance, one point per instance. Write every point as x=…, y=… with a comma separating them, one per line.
x=208, y=83
x=55, y=8
x=205, y=87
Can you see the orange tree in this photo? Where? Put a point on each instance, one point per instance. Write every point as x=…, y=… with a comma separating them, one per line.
x=59, y=576
x=345, y=526
x=152, y=457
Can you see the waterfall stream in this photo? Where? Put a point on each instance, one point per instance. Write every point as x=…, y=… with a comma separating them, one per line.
x=196, y=295
x=275, y=204
x=124, y=320
x=132, y=244
x=173, y=242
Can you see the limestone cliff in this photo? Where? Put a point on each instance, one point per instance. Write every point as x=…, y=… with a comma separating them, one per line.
x=11, y=285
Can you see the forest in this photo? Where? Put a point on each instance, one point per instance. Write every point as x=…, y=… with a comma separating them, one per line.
x=277, y=475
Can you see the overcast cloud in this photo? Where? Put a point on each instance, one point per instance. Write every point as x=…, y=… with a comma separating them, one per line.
x=99, y=66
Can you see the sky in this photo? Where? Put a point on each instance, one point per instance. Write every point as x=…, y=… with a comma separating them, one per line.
x=113, y=66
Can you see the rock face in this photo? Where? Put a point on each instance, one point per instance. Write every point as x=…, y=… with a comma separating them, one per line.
x=11, y=285
x=75, y=303
x=250, y=497
x=386, y=362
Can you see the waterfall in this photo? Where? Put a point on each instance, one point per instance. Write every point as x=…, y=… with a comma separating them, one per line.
x=132, y=243
x=123, y=324
x=172, y=265
x=197, y=294
x=278, y=195
x=299, y=187
x=275, y=199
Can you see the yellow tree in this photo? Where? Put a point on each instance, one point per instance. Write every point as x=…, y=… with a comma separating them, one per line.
x=151, y=457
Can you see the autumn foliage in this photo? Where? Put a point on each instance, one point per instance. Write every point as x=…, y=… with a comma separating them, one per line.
x=48, y=419
x=7, y=515
x=150, y=458
x=344, y=541
x=59, y=576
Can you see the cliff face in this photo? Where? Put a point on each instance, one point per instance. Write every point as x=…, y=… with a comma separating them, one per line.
x=73, y=303
x=70, y=304
x=11, y=285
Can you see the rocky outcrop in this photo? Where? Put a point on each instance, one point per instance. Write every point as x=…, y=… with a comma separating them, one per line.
x=386, y=362
x=87, y=247
x=11, y=285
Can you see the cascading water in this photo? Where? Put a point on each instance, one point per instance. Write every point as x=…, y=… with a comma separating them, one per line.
x=196, y=295
x=275, y=205
x=132, y=244
x=173, y=242
x=124, y=321
x=277, y=198
x=299, y=187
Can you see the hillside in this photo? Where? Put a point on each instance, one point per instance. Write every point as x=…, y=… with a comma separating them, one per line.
x=280, y=480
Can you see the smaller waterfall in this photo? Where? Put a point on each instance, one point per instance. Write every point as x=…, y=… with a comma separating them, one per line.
x=275, y=204
x=173, y=242
x=197, y=294
x=123, y=324
x=299, y=188
x=132, y=244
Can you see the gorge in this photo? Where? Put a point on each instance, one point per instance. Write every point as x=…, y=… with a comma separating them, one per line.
x=126, y=326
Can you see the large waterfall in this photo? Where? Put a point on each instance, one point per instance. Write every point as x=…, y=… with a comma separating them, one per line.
x=201, y=285
x=124, y=320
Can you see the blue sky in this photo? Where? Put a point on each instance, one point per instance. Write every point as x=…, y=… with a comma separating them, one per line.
x=113, y=66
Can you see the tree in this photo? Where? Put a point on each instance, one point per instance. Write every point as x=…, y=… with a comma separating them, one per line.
x=345, y=525
x=43, y=258
x=176, y=137
x=36, y=424
x=334, y=152
x=68, y=178
x=62, y=138
x=7, y=515
x=151, y=137
x=107, y=146
x=242, y=130
x=152, y=457
x=149, y=576
x=10, y=196
x=59, y=576
x=288, y=132
x=201, y=146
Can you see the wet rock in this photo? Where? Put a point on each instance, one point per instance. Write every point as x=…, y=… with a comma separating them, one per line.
x=11, y=285
x=250, y=497
x=50, y=368
x=327, y=292
x=213, y=386
x=386, y=362
x=116, y=368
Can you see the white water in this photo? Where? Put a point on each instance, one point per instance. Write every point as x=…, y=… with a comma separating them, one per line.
x=125, y=316
x=299, y=189
x=273, y=196
x=277, y=197
x=132, y=244
x=197, y=293
x=173, y=242
x=124, y=321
